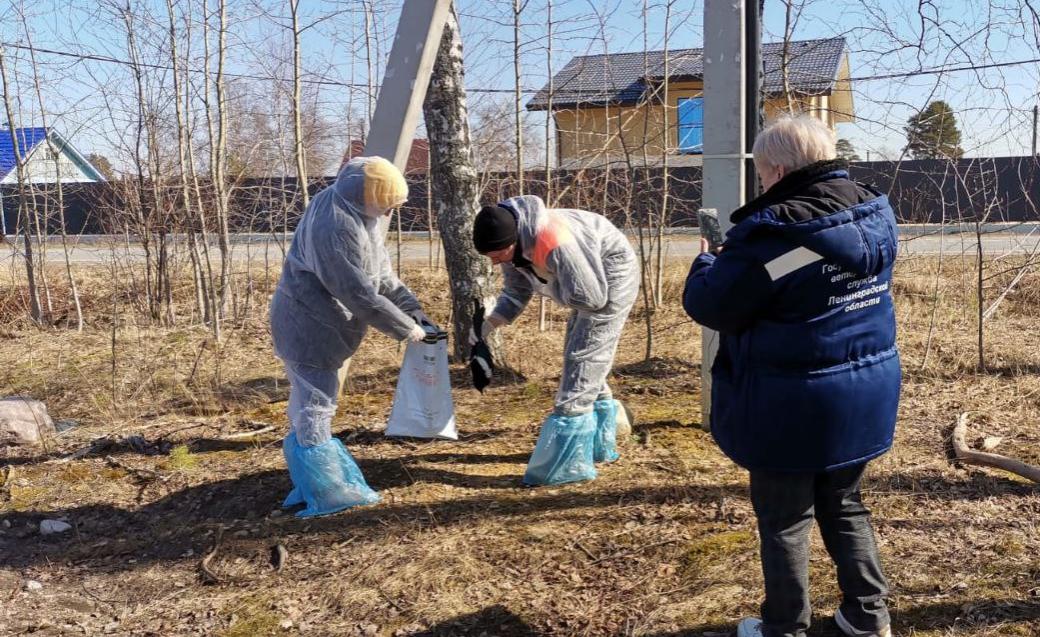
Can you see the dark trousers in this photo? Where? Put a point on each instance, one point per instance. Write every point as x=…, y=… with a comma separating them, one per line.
x=786, y=504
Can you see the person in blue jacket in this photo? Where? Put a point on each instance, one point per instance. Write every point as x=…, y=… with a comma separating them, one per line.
x=805, y=386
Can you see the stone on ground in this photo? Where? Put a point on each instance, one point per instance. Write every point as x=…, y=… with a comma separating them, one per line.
x=23, y=421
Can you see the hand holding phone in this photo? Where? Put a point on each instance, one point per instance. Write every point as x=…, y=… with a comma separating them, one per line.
x=708, y=220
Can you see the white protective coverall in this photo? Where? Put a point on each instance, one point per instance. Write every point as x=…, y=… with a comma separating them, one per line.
x=583, y=262
x=336, y=282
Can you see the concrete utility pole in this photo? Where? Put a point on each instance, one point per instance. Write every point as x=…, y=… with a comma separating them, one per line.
x=406, y=79
x=725, y=113
x=753, y=71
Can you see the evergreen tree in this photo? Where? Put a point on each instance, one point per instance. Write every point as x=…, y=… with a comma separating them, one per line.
x=933, y=134
x=103, y=165
x=846, y=150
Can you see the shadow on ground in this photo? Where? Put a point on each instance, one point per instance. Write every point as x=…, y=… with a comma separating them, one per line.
x=935, y=616
x=168, y=527
x=137, y=445
x=975, y=486
x=644, y=428
x=493, y=620
x=268, y=389
x=657, y=367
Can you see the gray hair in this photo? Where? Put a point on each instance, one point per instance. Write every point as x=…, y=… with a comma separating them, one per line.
x=793, y=142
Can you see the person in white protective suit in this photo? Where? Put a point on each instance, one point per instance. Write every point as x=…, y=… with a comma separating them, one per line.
x=336, y=282
x=583, y=262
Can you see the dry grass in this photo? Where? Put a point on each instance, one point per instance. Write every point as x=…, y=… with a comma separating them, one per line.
x=663, y=543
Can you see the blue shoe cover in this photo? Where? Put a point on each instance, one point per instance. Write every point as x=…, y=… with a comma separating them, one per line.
x=605, y=449
x=325, y=478
x=564, y=451
x=293, y=498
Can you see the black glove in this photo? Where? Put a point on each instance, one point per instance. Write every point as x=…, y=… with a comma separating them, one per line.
x=481, y=364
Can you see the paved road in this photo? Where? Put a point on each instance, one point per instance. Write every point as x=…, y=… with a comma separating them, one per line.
x=99, y=251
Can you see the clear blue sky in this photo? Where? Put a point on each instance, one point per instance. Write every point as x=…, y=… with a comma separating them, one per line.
x=93, y=100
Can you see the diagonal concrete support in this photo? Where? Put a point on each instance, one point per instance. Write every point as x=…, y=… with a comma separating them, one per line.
x=407, y=76
x=403, y=90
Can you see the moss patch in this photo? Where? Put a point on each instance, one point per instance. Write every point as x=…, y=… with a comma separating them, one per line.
x=255, y=624
x=1010, y=546
x=710, y=550
x=181, y=459
x=73, y=473
x=24, y=498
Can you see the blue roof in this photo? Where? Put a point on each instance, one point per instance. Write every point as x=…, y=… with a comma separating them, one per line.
x=28, y=139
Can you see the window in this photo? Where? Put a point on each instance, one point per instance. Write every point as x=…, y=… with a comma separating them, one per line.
x=691, y=125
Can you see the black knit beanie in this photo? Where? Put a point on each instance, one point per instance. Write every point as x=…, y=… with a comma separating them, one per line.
x=493, y=229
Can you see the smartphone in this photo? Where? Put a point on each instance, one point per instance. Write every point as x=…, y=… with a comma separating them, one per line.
x=708, y=220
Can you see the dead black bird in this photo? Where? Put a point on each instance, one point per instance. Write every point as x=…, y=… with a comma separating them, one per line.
x=481, y=364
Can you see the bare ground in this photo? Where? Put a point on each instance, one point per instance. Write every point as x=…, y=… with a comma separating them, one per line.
x=663, y=543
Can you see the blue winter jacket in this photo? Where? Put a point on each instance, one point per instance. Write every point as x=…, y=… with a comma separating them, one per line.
x=807, y=375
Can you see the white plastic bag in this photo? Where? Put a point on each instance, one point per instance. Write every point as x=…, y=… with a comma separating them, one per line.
x=423, y=407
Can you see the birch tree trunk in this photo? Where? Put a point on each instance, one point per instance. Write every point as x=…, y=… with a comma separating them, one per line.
x=39, y=219
x=370, y=107
x=549, y=119
x=209, y=292
x=220, y=163
x=645, y=250
x=298, y=152
x=785, y=55
x=218, y=156
x=454, y=181
x=142, y=217
x=35, y=309
x=665, y=150
x=518, y=100
x=182, y=156
x=543, y=310
x=60, y=194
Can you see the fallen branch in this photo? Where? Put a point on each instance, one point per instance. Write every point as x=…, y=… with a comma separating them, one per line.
x=75, y=455
x=206, y=574
x=138, y=472
x=247, y=434
x=968, y=455
x=136, y=443
x=188, y=428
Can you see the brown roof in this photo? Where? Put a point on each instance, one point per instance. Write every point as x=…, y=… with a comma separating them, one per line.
x=418, y=156
x=625, y=78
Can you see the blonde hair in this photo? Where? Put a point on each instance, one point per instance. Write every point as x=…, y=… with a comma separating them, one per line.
x=385, y=186
x=793, y=142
